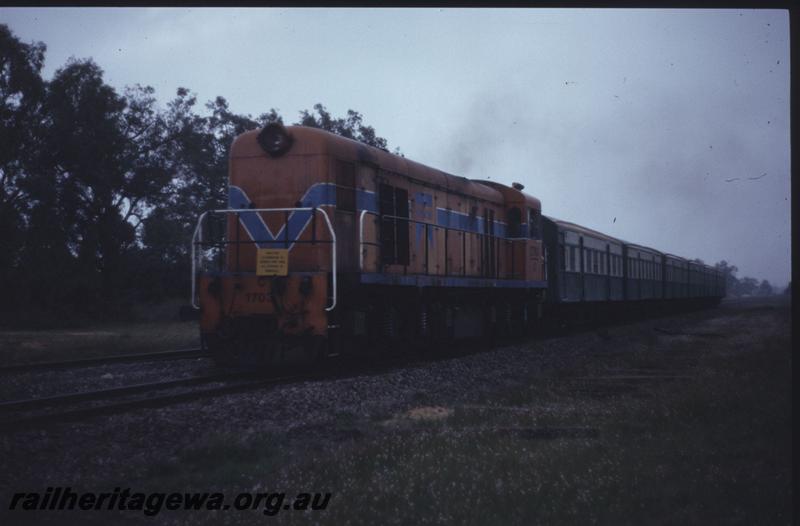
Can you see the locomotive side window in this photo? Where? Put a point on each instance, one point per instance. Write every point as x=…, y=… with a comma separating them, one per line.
x=394, y=230
x=534, y=224
x=514, y=222
x=401, y=210
x=345, y=186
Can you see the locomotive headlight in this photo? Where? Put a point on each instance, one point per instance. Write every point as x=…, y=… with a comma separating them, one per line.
x=274, y=139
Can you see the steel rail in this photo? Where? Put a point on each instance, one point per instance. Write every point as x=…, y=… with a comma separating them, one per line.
x=114, y=392
x=21, y=422
x=85, y=362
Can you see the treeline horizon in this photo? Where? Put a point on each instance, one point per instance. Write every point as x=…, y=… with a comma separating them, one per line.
x=100, y=190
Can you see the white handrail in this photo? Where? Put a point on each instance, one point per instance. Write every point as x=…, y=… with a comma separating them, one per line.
x=197, y=238
x=361, y=240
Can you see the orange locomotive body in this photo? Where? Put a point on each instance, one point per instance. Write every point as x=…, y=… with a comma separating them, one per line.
x=330, y=245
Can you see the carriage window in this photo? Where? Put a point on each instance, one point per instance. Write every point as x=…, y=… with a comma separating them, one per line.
x=572, y=258
x=595, y=261
x=563, y=262
x=514, y=222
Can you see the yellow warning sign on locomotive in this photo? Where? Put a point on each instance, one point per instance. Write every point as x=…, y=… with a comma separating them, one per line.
x=272, y=262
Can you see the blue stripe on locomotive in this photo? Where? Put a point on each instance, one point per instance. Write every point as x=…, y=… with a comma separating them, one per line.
x=324, y=194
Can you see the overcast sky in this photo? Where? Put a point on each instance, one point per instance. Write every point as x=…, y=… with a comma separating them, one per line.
x=669, y=128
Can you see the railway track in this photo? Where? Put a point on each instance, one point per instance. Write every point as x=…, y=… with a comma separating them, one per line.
x=86, y=362
x=38, y=412
x=41, y=412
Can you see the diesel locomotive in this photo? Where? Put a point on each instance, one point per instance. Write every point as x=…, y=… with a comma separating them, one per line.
x=329, y=245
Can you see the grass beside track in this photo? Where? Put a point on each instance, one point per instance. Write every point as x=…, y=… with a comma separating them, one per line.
x=711, y=448
x=96, y=341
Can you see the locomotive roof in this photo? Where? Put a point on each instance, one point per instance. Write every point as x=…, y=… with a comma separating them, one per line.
x=314, y=141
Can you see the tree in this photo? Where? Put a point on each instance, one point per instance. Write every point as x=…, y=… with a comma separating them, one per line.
x=765, y=289
x=729, y=271
x=351, y=126
x=21, y=93
x=747, y=287
x=104, y=159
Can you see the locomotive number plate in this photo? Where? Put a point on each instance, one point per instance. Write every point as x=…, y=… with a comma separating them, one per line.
x=272, y=262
